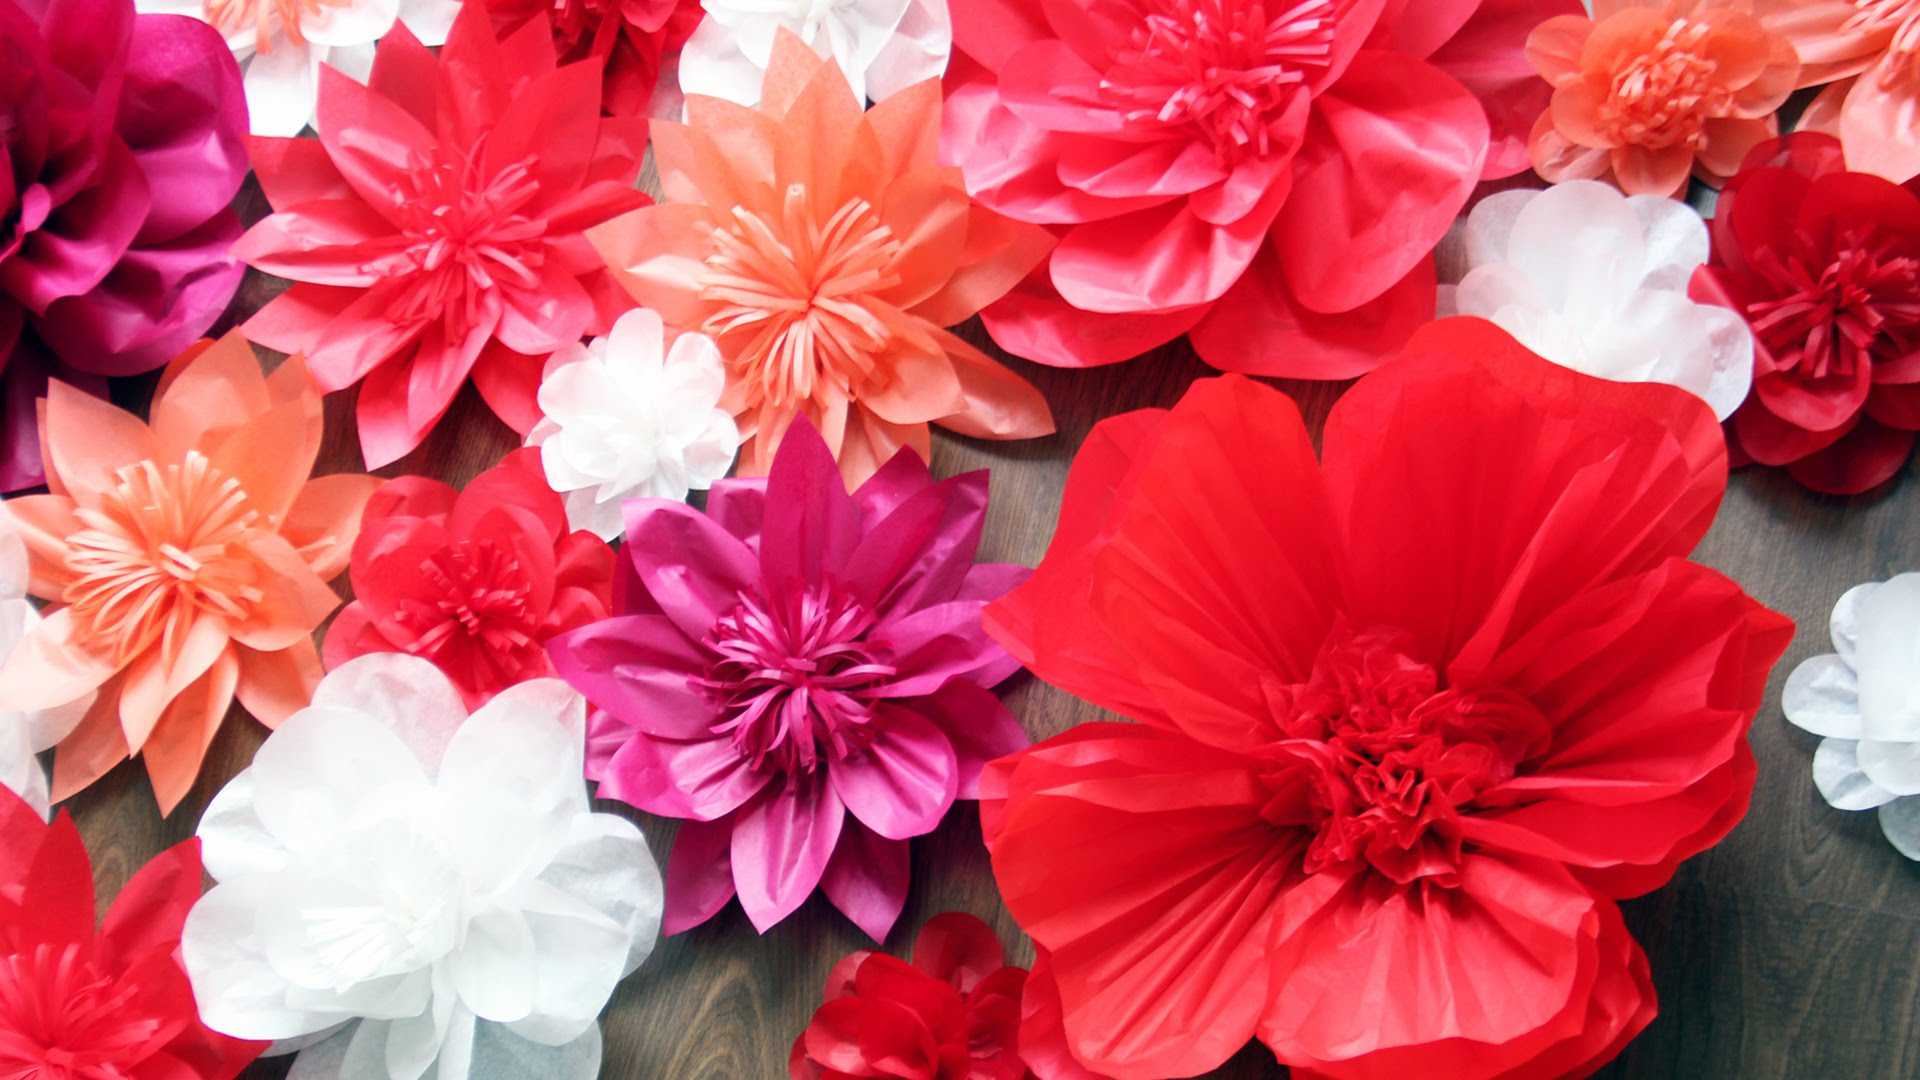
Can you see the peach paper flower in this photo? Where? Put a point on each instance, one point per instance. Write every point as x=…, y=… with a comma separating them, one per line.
x=1867, y=55
x=826, y=250
x=187, y=559
x=1648, y=92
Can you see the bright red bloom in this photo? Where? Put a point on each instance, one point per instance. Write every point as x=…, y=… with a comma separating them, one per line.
x=475, y=581
x=435, y=228
x=634, y=41
x=111, y=1004
x=1411, y=718
x=1825, y=266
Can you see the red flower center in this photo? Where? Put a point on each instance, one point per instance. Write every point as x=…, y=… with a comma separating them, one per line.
x=1664, y=95
x=1379, y=760
x=793, y=678
x=464, y=237
x=479, y=624
x=63, y=1019
x=1833, y=321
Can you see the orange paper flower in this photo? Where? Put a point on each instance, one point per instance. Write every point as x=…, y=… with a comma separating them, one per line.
x=1867, y=55
x=189, y=559
x=826, y=250
x=1649, y=91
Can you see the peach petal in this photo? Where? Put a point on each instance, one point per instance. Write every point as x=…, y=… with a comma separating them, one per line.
x=180, y=740
x=295, y=603
x=1640, y=171
x=163, y=672
x=53, y=665
x=213, y=385
x=1554, y=47
x=274, y=685
x=998, y=403
x=325, y=519
x=93, y=748
x=44, y=522
x=88, y=440
x=1000, y=252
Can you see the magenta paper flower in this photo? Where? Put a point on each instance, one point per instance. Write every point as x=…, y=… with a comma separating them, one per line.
x=122, y=142
x=801, y=674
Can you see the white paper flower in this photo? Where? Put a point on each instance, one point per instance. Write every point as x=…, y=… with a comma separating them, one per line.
x=432, y=889
x=1865, y=700
x=282, y=43
x=25, y=734
x=883, y=46
x=626, y=418
x=1597, y=281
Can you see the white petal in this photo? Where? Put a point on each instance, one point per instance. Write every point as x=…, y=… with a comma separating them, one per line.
x=1900, y=821
x=233, y=841
x=281, y=87
x=500, y=1053
x=587, y=511
x=1676, y=240
x=13, y=559
x=1489, y=230
x=1580, y=246
x=1844, y=623
x=1822, y=697
x=638, y=340
x=328, y=770
x=429, y=20
x=917, y=50
x=1894, y=766
x=1488, y=289
x=407, y=694
x=606, y=864
x=238, y=992
x=493, y=971
x=1887, y=659
x=20, y=770
x=512, y=780
x=353, y=61
x=697, y=371
x=46, y=727
x=322, y=1060
x=359, y=22
x=574, y=393
x=713, y=64
x=1730, y=355
x=1837, y=773
x=578, y=953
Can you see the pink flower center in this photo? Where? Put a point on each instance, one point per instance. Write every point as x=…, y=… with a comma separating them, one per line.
x=465, y=237
x=479, y=624
x=1833, y=321
x=62, y=1019
x=793, y=678
x=1663, y=96
x=265, y=16
x=1379, y=760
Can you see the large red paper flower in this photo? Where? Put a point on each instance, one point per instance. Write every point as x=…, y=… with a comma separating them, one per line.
x=434, y=229
x=1411, y=718
x=634, y=41
x=475, y=581
x=1824, y=264
x=78, y=1003
x=1271, y=176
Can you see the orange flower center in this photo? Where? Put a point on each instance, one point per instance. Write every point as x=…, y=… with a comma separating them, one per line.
x=61, y=1017
x=1663, y=96
x=164, y=545
x=265, y=16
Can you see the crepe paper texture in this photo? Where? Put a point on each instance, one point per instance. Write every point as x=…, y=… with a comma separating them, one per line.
x=883, y=46
x=474, y=581
x=122, y=148
x=1867, y=55
x=800, y=675
x=626, y=416
x=1269, y=178
x=406, y=891
x=1597, y=281
x=1648, y=93
x=826, y=250
x=1408, y=719
x=79, y=1002
x=636, y=42
x=25, y=734
x=434, y=229
x=282, y=44
x=187, y=559
x=1824, y=264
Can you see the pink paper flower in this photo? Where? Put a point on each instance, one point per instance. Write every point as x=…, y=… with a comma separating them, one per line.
x=801, y=674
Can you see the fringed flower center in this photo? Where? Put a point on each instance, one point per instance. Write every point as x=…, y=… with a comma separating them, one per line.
x=465, y=237
x=62, y=1019
x=1901, y=71
x=479, y=620
x=265, y=16
x=1664, y=95
x=1837, y=319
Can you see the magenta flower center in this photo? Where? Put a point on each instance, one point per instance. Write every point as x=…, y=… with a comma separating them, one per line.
x=479, y=622
x=1664, y=95
x=1837, y=319
x=795, y=678
x=62, y=1019
x=465, y=237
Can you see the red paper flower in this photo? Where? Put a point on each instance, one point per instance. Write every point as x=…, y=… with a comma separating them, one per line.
x=435, y=227
x=1825, y=266
x=112, y=1004
x=634, y=41
x=1411, y=718
x=475, y=581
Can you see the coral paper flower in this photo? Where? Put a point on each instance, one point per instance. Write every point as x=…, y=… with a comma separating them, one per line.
x=1650, y=92
x=189, y=557
x=429, y=892
x=81, y=1003
x=636, y=42
x=794, y=656
x=1597, y=281
x=23, y=735
x=1867, y=54
x=121, y=148
x=826, y=250
x=1864, y=699
x=474, y=581
x=1410, y=718
x=1824, y=264
x=883, y=46
x=434, y=230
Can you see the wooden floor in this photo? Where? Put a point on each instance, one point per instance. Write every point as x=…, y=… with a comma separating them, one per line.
x=1792, y=950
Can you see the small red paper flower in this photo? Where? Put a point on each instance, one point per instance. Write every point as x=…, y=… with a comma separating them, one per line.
x=475, y=581
x=1411, y=718
x=434, y=229
x=634, y=41
x=111, y=1004
x=1824, y=264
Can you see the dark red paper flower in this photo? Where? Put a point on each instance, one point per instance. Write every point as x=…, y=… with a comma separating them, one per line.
x=111, y=1004
x=1825, y=266
x=634, y=41
x=475, y=581
x=1411, y=718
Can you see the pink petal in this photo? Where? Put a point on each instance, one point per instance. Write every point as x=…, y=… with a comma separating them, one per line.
x=703, y=779
x=903, y=783
x=692, y=568
x=781, y=846
x=699, y=874
x=978, y=725
x=867, y=879
x=642, y=669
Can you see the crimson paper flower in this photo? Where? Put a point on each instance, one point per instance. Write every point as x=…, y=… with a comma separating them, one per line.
x=1411, y=718
x=1824, y=264
x=475, y=581
x=801, y=674
x=81, y=1004
x=632, y=40
x=434, y=229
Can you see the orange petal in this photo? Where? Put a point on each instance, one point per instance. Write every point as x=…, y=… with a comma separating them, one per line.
x=999, y=403
x=271, y=455
x=1640, y=171
x=296, y=601
x=722, y=156
x=791, y=67
x=1728, y=141
x=88, y=440
x=325, y=520
x=44, y=522
x=1000, y=252
x=1773, y=85
x=657, y=254
x=906, y=128
x=275, y=685
x=1553, y=48
x=162, y=673
x=871, y=442
x=213, y=386
x=179, y=742
x=93, y=748
x=1823, y=112
x=53, y=665
x=1557, y=158
x=817, y=137
x=919, y=381
x=930, y=220
x=1575, y=109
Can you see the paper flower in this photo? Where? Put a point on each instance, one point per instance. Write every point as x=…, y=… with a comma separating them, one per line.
x=434, y=228
x=1824, y=265
x=189, y=558
x=951, y=1014
x=1410, y=718
x=882, y=46
x=827, y=267
x=1248, y=174
x=1597, y=281
x=81, y=1003
x=624, y=416
x=122, y=148
x=1867, y=55
x=474, y=581
x=636, y=42
x=798, y=656
x=1650, y=92
x=23, y=735
x=435, y=886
